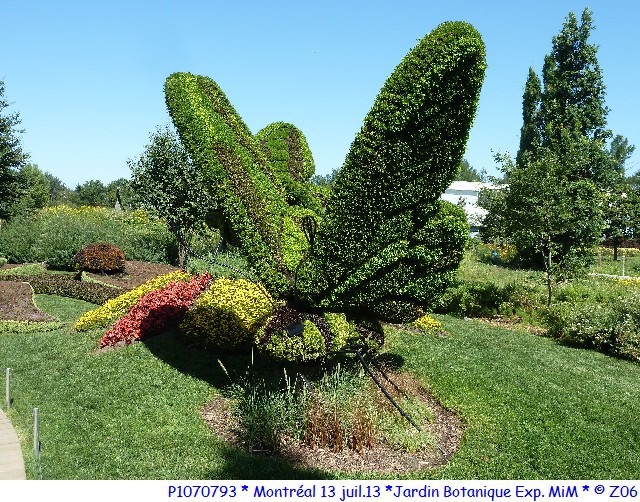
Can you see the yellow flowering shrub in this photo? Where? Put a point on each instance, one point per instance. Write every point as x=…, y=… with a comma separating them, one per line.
x=120, y=305
x=428, y=324
x=228, y=314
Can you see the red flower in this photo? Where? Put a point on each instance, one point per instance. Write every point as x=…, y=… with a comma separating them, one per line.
x=156, y=311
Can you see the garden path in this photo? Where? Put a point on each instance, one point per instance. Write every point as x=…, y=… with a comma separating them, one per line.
x=11, y=461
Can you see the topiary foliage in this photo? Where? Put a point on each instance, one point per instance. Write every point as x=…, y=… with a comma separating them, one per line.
x=249, y=194
x=227, y=315
x=289, y=155
x=296, y=336
x=385, y=246
x=100, y=257
x=385, y=239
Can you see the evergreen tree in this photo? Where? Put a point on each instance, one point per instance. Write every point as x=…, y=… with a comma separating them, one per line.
x=12, y=157
x=530, y=133
x=468, y=173
x=552, y=209
x=569, y=109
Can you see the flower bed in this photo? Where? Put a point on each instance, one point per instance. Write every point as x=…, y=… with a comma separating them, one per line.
x=156, y=311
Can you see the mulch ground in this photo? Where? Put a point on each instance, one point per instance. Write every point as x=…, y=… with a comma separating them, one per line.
x=16, y=298
x=446, y=428
x=136, y=273
x=16, y=303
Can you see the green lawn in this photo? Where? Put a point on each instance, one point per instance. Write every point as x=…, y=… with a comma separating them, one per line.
x=534, y=409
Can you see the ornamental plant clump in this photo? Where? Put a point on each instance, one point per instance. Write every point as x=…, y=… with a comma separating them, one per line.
x=227, y=315
x=156, y=311
x=100, y=257
x=296, y=336
x=119, y=306
x=382, y=246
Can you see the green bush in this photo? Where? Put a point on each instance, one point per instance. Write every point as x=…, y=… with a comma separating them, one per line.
x=54, y=234
x=227, y=315
x=612, y=328
x=100, y=257
x=386, y=244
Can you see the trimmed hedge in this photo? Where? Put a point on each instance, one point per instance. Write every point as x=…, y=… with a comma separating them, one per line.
x=375, y=236
x=120, y=304
x=156, y=311
x=385, y=247
x=296, y=336
x=29, y=326
x=65, y=285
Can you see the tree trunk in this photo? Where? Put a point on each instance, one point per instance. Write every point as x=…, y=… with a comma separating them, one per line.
x=549, y=279
x=615, y=253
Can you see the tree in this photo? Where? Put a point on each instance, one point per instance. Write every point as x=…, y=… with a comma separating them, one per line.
x=564, y=132
x=549, y=214
x=12, y=157
x=620, y=150
x=468, y=173
x=58, y=191
x=530, y=133
x=120, y=191
x=570, y=105
x=92, y=193
x=621, y=208
x=622, y=201
x=166, y=182
x=32, y=190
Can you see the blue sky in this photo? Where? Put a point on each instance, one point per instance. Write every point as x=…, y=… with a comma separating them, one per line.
x=87, y=77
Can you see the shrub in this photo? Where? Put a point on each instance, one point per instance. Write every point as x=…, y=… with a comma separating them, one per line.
x=29, y=326
x=54, y=234
x=120, y=305
x=289, y=155
x=428, y=324
x=100, y=257
x=65, y=285
x=27, y=269
x=486, y=299
x=497, y=254
x=612, y=328
x=156, y=311
x=251, y=198
x=227, y=315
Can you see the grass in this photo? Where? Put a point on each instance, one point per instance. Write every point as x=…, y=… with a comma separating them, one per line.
x=533, y=408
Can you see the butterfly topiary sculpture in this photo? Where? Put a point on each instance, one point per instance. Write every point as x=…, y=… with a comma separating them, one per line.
x=380, y=245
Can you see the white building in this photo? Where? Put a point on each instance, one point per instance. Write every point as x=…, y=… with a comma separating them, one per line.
x=466, y=193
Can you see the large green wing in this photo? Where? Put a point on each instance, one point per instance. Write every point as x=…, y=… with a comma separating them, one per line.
x=385, y=243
